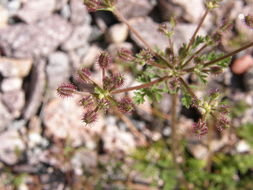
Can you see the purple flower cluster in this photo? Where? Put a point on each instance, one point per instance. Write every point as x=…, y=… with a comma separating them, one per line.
x=98, y=97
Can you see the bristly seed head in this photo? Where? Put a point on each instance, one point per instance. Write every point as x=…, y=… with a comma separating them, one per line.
x=125, y=105
x=200, y=128
x=92, y=5
x=249, y=20
x=104, y=60
x=66, y=90
x=83, y=75
x=87, y=102
x=125, y=54
x=89, y=117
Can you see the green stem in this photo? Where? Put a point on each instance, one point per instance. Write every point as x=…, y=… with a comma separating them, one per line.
x=140, y=86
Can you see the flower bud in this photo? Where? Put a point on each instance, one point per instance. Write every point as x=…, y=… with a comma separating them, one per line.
x=200, y=128
x=125, y=105
x=104, y=60
x=125, y=55
x=89, y=117
x=86, y=102
x=249, y=20
x=92, y=5
x=66, y=90
x=83, y=75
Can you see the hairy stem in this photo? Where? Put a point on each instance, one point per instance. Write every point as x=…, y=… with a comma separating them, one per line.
x=188, y=88
x=197, y=29
x=174, y=137
x=137, y=34
x=194, y=55
x=207, y=64
x=140, y=86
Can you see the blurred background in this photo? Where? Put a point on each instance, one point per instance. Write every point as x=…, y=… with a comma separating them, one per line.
x=45, y=145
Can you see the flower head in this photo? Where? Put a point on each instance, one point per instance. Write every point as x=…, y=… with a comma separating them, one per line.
x=125, y=105
x=125, y=54
x=89, y=117
x=249, y=20
x=200, y=128
x=104, y=60
x=66, y=90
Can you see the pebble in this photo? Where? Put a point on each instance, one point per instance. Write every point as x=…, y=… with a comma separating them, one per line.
x=242, y=64
x=11, y=143
x=131, y=8
x=14, y=102
x=242, y=147
x=3, y=17
x=10, y=84
x=34, y=10
x=58, y=69
x=5, y=117
x=117, y=33
x=10, y=67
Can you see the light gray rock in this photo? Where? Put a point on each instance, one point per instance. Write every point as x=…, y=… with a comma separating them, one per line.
x=84, y=159
x=34, y=10
x=242, y=147
x=79, y=13
x=117, y=33
x=5, y=116
x=10, y=67
x=10, y=84
x=190, y=11
x=38, y=39
x=78, y=38
x=10, y=144
x=14, y=102
x=133, y=8
x=149, y=31
x=58, y=69
x=67, y=114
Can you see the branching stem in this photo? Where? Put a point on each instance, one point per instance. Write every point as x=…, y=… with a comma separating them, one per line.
x=146, y=85
x=137, y=34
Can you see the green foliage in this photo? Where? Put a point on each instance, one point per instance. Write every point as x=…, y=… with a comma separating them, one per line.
x=231, y=172
x=246, y=132
x=186, y=99
x=239, y=109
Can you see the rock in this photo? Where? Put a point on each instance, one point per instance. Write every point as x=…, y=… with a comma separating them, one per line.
x=58, y=69
x=114, y=48
x=65, y=11
x=38, y=39
x=15, y=67
x=3, y=17
x=59, y=4
x=132, y=8
x=79, y=13
x=67, y=114
x=248, y=80
x=14, y=102
x=191, y=12
x=90, y=57
x=84, y=160
x=149, y=31
x=5, y=117
x=35, y=89
x=242, y=64
x=117, y=33
x=242, y=147
x=199, y=151
x=183, y=33
x=34, y=10
x=11, y=143
x=117, y=140
x=78, y=38
x=10, y=84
